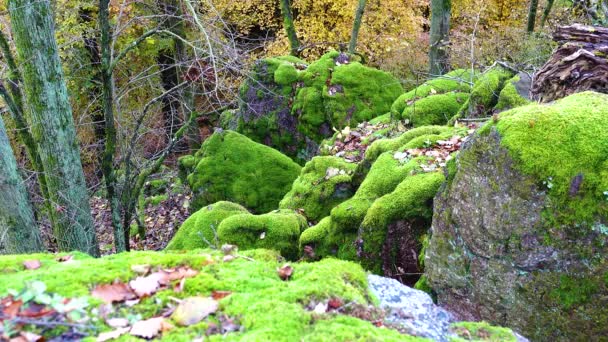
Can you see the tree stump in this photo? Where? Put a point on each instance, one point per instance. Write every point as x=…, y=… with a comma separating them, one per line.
x=579, y=64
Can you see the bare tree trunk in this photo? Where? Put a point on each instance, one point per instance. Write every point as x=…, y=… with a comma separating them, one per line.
x=18, y=230
x=107, y=166
x=52, y=124
x=546, y=12
x=441, y=11
x=290, y=29
x=532, y=15
x=352, y=47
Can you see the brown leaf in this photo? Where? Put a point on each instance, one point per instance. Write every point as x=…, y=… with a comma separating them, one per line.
x=334, y=303
x=285, y=272
x=32, y=264
x=110, y=293
x=179, y=286
x=228, y=258
x=181, y=272
x=148, y=328
x=193, y=310
x=35, y=310
x=111, y=335
x=217, y=295
x=11, y=310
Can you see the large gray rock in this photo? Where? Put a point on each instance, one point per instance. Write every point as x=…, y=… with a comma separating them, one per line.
x=519, y=235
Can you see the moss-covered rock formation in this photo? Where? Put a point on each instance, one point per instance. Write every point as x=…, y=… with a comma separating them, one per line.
x=516, y=93
x=324, y=183
x=232, y=167
x=266, y=307
x=435, y=101
x=292, y=106
x=520, y=234
x=485, y=93
x=279, y=230
x=382, y=225
x=200, y=230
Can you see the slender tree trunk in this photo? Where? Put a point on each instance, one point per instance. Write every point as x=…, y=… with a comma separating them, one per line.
x=107, y=165
x=532, y=15
x=441, y=11
x=18, y=230
x=546, y=13
x=52, y=124
x=170, y=70
x=352, y=47
x=91, y=44
x=290, y=29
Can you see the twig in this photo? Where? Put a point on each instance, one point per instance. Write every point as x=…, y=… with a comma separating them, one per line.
x=19, y=320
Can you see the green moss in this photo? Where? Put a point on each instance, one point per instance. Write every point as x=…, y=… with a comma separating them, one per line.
x=559, y=142
x=456, y=81
x=380, y=146
x=509, y=96
x=279, y=230
x=323, y=183
x=185, y=166
x=410, y=201
x=434, y=109
x=200, y=229
x=481, y=331
x=156, y=200
x=484, y=95
x=574, y=291
x=286, y=74
x=267, y=307
x=232, y=167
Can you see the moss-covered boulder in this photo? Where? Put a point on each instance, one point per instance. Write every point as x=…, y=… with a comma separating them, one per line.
x=232, y=167
x=383, y=224
x=485, y=93
x=279, y=230
x=200, y=230
x=436, y=101
x=520, y=234
x=292, y=106
x=516, y=93
x=324, y=183
x=259, y=305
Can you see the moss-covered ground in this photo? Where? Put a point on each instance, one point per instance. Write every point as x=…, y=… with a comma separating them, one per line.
x=266, y=307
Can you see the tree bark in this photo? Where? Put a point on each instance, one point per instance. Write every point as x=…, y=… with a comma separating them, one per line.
x=52, y=124
x=352, y=47
x=13, y=97
x=107, y=166
x=546, y=12
x=18, y=230
x=441, y=11
x=532, y=15
x=290, y=29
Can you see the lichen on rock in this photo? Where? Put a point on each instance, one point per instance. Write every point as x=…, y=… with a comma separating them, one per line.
x=232, y=167
x=519, y=235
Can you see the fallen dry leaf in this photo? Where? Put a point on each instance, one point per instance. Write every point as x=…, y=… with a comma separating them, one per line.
x=334, y=303
x=217, y=295
x=228, y=258
x=181, y=272
x=32, y=264
x=148, y=328
x=12, y=309
x=110, y=293
x=111, y=335
x=285, y=272
x=146, y=286
x=193, y=310
x=141, y=269
x=117, y=322
x=179, y=286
